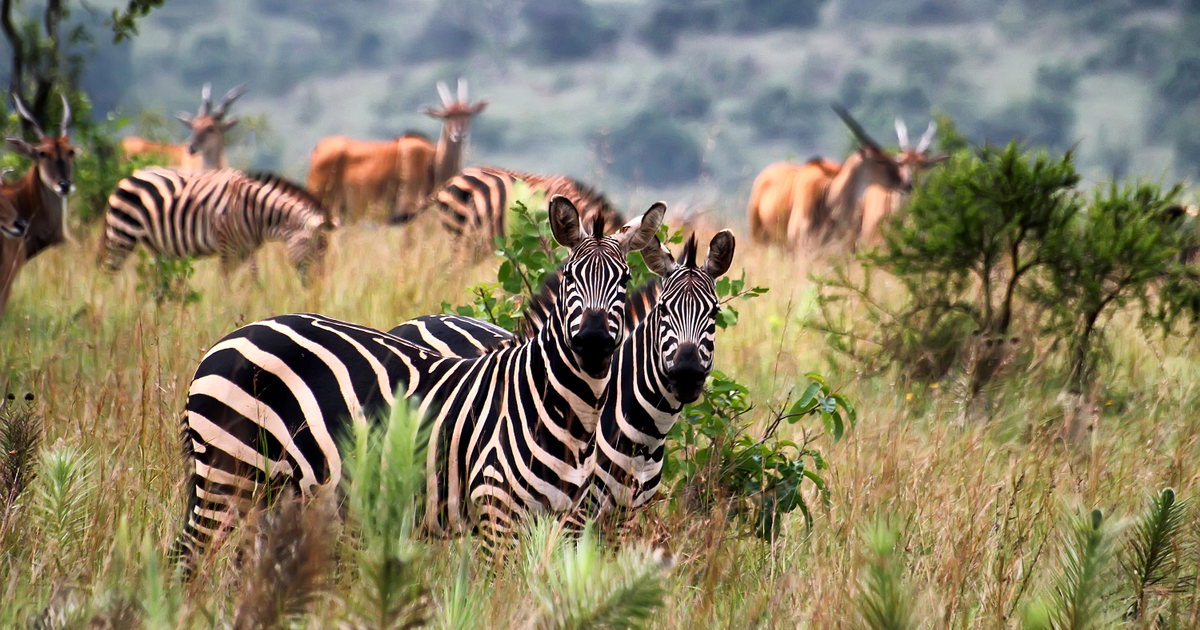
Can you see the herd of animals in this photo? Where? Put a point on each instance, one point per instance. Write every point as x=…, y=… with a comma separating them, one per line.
x=569, y=415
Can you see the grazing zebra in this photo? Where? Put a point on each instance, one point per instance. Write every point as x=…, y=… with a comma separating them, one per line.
x=661, y=365
x=510, y=432
x=226, y=212
x=473, y=204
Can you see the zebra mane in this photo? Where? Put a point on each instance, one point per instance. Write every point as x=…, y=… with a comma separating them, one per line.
x=590, y=197
x=286, y=185
x=689, y=252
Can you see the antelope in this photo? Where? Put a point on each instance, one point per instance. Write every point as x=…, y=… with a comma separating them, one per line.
x=401, y=174
x=39, y=198
x=879, y=202
x=205, y=148
x=770, y=209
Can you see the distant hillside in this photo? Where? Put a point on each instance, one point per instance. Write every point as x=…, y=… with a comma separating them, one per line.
x=685, y=99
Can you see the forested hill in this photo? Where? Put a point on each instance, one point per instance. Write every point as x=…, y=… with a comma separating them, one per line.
x=682, y=99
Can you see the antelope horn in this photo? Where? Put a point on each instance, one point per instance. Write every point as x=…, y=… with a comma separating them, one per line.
x=66, y=118
x=21, y=109
x=230, y=97
x=444, y=92
x=927, y=139
x=205, y=99
x=902, y=132
x=462, y=90
x=856, y=128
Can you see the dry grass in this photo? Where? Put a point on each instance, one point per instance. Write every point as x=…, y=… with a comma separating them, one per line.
x=978, y=505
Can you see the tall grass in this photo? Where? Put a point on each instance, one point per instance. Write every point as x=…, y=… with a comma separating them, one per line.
x=976, y=504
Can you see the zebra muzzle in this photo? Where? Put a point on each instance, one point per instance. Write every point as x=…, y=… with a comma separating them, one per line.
x=687, y=374
x=593, y=345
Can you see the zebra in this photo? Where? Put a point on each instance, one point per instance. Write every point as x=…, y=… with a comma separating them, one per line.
x=661, y=365
x=509, y=432
x=226, y=212
x=472, y=205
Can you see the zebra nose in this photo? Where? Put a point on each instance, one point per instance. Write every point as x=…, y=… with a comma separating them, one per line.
x=686, y=375
x=593, y=344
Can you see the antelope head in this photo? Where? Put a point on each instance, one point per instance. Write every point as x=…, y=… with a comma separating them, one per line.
x=456, y=114
x=53, y=156
x=209, y=125
x=882, y=168
x=913, y=161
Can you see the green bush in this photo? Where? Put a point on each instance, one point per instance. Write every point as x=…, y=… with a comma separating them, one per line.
x=998, y=243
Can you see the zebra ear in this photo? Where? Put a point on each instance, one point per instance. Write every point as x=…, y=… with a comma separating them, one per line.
x=720, y=254
x=658, y=258
x=638, y=233
x=564, y=222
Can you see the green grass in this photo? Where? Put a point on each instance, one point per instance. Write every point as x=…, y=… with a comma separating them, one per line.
x=980, y=507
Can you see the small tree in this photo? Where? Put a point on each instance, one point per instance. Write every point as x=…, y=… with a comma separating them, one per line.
x=1108, y=257
x=969, y=243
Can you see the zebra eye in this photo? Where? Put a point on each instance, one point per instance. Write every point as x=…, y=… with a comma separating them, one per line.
x=715, y=311
x=625, y=278
x=567, y=275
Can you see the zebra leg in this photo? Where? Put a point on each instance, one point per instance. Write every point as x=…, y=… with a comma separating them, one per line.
x=114, y=250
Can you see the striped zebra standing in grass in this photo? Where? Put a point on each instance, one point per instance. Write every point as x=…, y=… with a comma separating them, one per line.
x=227, y=212
x=473, y=204
x=510, y=432
x=661, y=365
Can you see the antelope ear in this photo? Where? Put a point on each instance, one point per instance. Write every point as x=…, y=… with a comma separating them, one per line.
x=639, y=231
x=229, y=124
x=184, y=118
x=720, y=254
x=23, y=147
x=564, y=222
x=658, y=258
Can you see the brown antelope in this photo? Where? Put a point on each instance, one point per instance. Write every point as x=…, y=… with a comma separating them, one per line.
x=770, y=209
x=205, y=148
x=39, y=197
x=878, y=202
x=401, y=174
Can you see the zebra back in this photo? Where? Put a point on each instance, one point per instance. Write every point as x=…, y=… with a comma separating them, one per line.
x=227, y=212
x=475, y=201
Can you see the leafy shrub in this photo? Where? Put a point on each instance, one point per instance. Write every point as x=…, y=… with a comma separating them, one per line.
x=971, y=239
x=653, y=150
x=997, y=242
x=711, y=456
x=775, y=113
x=166, y=279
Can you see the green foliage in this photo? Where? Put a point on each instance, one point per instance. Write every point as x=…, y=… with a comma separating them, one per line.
x=712, y=457
x=1152, y=556
x=124, y=22
x=884, y=602
x=166, y=279
x=384, y=474
x=973, y=238
x=577, y=584
x=1076, y=601
x=62, y=495
x=1105, y=258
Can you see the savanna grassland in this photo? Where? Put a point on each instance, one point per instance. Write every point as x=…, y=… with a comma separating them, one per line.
x=979, y=498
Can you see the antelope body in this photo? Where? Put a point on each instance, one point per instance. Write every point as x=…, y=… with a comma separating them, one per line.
x=39, y=199
x=349, y=176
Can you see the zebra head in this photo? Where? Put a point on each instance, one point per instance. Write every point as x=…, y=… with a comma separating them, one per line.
x=685, y=319
x=591, y=303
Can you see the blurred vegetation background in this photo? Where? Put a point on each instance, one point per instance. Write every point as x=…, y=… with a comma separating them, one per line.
x=678, y=99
